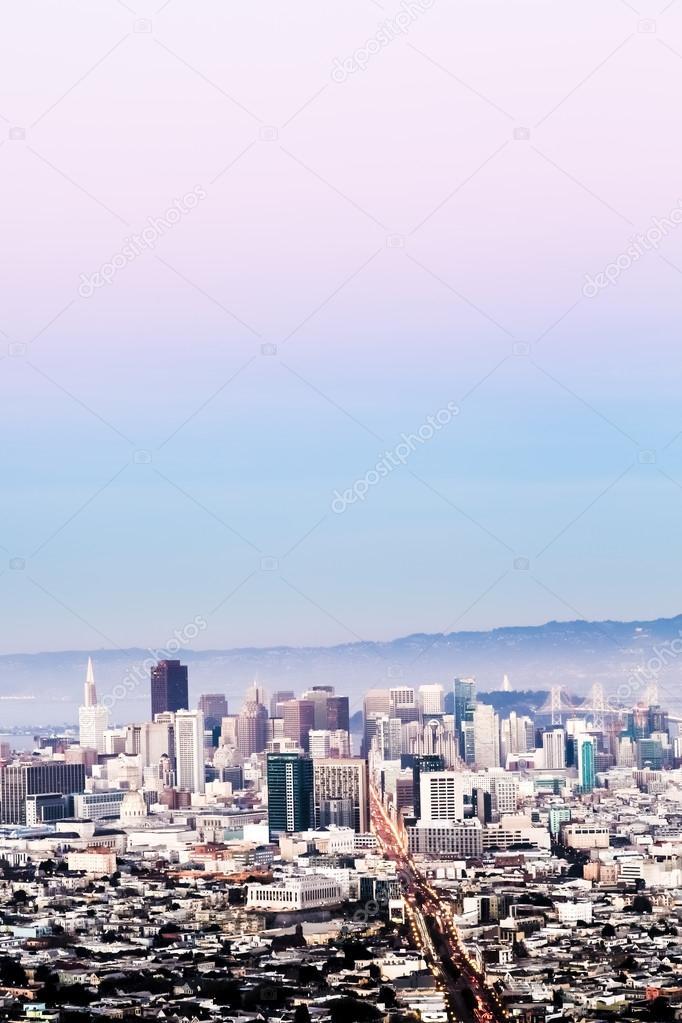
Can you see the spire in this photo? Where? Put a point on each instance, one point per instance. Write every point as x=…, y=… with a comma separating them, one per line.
x=90, y=690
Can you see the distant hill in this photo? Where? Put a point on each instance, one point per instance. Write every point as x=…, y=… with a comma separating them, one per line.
x=46, y=688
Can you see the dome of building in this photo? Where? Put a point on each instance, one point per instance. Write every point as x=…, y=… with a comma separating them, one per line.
x=133, y=808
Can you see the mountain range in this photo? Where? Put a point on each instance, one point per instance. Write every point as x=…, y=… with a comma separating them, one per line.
x=46, y=688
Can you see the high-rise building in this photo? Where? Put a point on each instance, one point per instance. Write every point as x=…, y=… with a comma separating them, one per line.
x=93, y=718
x=585, y=747
x=277, y=699
x=554, y=748
x=338, y=714
x=486, y=736
x=290, y=793
x=24, y=778
x=403, y=704
x=341, y=793
x=157, y=740
x=387, y=738
x=214, y=708
x=189, y=750
x=319, y=741
x=375, y=702
x=423, y=765
x=464, y=704
x=169, y=687
x=299, y=718
x=252, y=729
x=431, y=699
x=441, y=796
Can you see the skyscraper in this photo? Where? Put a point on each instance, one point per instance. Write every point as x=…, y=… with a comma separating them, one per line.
x=341, y=793
x=299, y=718
x=423, y=765
x=252, y=729
x=93, y=719
x=214, y=708
x=169, y=687
x=431, y=699
x=189, y=750
x=554, y=748
x=290, y=793
x=464, y=704
x=586, y=765
x=486, y=736
x=277, y=699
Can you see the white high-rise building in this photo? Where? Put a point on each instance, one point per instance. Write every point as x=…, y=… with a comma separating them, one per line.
x=486, y=736
x=554, y=749
x=319, y=742
x=441, y=795
x=431, y=699
x=93, y=719
x=189, y=750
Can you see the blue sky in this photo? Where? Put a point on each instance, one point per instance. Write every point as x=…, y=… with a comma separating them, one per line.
x=366, y=253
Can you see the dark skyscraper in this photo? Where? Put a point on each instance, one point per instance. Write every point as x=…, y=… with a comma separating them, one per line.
x=337, y=713
x=214, y=707
x=290, y=793
x=169, y=687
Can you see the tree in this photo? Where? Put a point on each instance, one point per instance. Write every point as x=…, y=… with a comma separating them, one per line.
x=608, y=931
x=302, y=1014
x=641, y=904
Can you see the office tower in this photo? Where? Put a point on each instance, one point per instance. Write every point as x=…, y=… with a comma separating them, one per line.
x=467, y=749
x=649, y=753
x=92, y=718
x=338, y=714
x=277, y=699
x=169, y=687
x=625, y=756
x=387, y=738
x=189, y=750
x=290, y=793
x=214, y=708
x=585, y=749
x=464, y=703
x=517, y=736
x=299, y=718
x=319, y=740
x=375, y=702
x=341, y=793
x=658, y=720
x=554, y=748
x=504, y=791
x=319, y=696
x=114, y=741
x=157, y=740
x=228, y=731
x=132, y=740
x=275, y=728
x=255, y=693
x=423, y=765
x=252, y=729
x=486, y=736
x=431, y=699
x=23, y=778
x=441, y=796
x=403, y=703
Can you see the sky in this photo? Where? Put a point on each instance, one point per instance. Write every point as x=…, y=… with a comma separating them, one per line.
x=251, y=250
